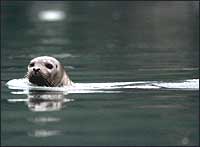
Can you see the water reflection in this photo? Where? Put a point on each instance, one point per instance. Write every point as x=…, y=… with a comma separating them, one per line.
x=51, y=15
x=45, y=122
x=45, y=11
x=39, y=120
x=40, y=105
x=44, y=133
x=41, y=101
x=46, y=101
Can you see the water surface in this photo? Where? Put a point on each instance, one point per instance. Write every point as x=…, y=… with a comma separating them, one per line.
x=102, y=42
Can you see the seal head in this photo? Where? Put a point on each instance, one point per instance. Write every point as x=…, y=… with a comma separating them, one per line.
x=47, y=71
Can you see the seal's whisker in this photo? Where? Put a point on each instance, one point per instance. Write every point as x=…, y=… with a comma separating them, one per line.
x=45, y=77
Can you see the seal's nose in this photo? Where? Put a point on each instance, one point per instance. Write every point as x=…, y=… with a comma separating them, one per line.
x=36, y=70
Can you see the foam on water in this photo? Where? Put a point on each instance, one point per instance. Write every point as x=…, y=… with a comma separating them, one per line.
x=113, y=87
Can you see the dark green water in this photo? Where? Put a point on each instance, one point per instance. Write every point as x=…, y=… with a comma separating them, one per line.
x=104, y=42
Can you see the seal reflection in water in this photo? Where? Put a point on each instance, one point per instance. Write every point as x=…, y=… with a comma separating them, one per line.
x=39, y=101
x=47, y=71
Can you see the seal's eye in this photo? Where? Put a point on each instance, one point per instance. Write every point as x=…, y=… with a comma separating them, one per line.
x=49, y=66
x=31, y=64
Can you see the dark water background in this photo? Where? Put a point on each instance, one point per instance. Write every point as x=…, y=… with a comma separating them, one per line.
x=104, y=42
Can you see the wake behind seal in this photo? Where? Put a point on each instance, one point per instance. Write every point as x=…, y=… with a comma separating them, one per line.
x=47, y=71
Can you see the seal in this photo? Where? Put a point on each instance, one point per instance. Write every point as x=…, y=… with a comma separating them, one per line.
x=47, y=71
